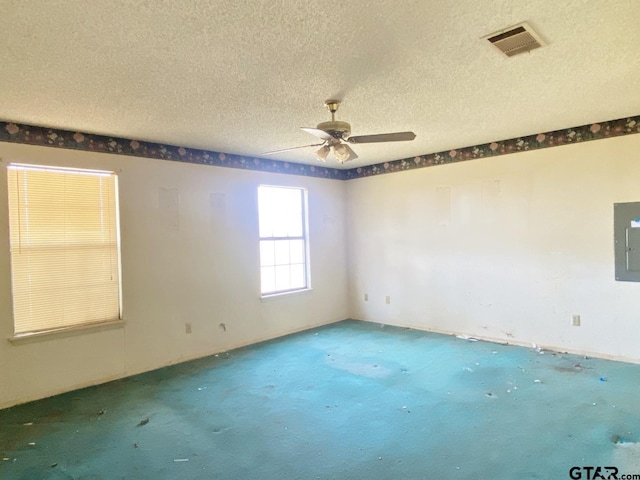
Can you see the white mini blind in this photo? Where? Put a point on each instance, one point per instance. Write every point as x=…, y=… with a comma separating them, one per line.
x=65, y=263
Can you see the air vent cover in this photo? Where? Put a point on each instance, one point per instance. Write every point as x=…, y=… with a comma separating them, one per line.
x=514, y=40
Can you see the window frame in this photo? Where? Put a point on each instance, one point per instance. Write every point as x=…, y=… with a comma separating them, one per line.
x=304, y=204
x=54, y=330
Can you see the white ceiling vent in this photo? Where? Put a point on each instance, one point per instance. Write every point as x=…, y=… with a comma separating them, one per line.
x=514, y=40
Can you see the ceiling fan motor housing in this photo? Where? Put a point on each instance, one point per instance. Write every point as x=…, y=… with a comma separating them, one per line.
x=335, y=128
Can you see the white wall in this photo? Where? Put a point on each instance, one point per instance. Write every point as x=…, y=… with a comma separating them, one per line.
x=505, y=248
x=202, y=269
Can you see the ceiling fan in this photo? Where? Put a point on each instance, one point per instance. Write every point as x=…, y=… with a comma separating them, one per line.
x=336, y=137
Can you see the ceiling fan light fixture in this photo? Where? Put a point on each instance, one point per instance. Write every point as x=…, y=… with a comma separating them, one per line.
x=323, y=153
x=341, y=153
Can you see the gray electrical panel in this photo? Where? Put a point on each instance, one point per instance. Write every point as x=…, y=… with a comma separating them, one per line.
x=626, y=233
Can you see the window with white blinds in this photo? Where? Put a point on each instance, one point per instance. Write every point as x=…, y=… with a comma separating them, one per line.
x=65, y=256
x=284, y=265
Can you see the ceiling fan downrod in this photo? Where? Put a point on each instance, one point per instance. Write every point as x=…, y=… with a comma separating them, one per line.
x=332, y=106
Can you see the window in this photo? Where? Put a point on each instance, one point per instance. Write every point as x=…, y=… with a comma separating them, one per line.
x=283, y=239
x=65, y=257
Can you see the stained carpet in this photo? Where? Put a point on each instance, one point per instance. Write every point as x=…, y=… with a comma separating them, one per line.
x=348, y=401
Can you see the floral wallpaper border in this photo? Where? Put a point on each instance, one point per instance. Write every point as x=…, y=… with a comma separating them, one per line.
x=32, y=135
x=557, y=138
x=50, y=137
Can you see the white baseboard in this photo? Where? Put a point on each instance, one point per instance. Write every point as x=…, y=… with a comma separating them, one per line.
x=514, y=341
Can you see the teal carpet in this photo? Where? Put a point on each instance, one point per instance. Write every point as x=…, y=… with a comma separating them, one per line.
x=348, y=401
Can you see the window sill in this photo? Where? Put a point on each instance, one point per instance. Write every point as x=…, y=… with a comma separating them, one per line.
x=22, y=338
x=279, y=296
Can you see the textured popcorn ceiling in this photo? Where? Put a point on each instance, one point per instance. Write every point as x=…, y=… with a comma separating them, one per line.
x=242, y=76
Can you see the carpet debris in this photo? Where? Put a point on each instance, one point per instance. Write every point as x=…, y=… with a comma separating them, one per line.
x=467, y=337
x=143, y=422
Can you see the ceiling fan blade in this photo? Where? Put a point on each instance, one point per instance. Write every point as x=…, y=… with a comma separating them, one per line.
x=383, y=137
x=292, y=148
x=318, y=133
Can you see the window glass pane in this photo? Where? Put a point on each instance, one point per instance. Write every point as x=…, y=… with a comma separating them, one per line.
x=283, y=278
x=265, y=215
x=296, y=251
x=298, y=279
x=280, y=211
x=268, y=279
x=280, y=224
x=267, y=253
x=282, y=252
x=293, y=209
x=294, y=226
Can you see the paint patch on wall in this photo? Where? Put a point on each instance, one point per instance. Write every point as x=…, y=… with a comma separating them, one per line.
x=443, y=205
x=491, y=200
x=329, y=221
x=169, y=205
x=465, y=205
x=217, y=209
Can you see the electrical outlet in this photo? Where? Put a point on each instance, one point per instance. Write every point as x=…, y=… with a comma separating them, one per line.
x=187, y=327
x=366, y=297
x=575, y=320
x=387, y=299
